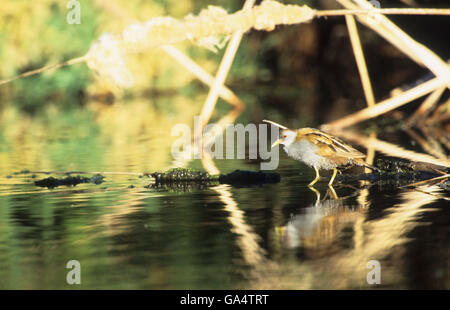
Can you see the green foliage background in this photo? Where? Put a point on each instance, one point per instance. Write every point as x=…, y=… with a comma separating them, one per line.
x=36, y=34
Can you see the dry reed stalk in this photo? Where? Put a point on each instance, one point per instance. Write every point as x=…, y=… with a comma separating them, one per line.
x=360, y=60
x=439, y=196
x=435, y=150
x=438, y=137
x=441, y=178
x=106, y=56
x=370, y=152
x=46, y=68
x=434, y=142
x=441, y=114
x=387, y=105
x=225, y=65
x=425, y=107
x=390, y=11
x=397, y=37
x=391, y=149
x=440, y=133
x=222, y=73
x=225, y=93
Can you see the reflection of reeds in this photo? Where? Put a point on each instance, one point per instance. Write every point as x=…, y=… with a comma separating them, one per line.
x=380, y=236
x=374, y=239
x=252, y=253
x=209, y=165
x=247, y=240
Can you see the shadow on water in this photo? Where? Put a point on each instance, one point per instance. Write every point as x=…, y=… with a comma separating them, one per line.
x=126, y=234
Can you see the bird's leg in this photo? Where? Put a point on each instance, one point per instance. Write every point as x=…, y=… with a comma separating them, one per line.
x=317, y=177
x=335, y=171
x=280, y=231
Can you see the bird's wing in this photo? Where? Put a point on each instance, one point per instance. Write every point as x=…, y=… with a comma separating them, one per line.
x=329, y=145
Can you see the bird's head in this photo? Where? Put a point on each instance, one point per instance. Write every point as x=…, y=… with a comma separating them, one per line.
x=287, y=136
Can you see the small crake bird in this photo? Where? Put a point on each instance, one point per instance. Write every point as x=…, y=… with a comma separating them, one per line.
x=319, y=150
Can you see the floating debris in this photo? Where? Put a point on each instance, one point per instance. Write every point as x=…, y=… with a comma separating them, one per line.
x=400, y=173
x=182, y=175
x=26, y=171
x=181, y=186
x=392, y=173
x=52, y=182
x=180, y=179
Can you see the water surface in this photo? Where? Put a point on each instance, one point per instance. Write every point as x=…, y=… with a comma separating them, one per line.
x=128, y=236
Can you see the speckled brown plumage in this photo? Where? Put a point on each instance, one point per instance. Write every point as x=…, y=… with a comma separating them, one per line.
x=319, y=150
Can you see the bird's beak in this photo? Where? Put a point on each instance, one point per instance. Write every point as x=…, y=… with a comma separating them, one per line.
x=276, y=142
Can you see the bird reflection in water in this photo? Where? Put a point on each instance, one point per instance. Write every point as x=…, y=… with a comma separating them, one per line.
x=319, y=224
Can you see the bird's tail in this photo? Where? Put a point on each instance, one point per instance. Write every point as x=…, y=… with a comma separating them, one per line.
x=371, y=167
